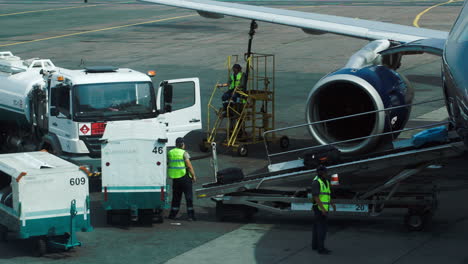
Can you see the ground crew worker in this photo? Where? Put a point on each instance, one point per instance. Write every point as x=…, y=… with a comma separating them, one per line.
x=236, y=80
x=181, y=172
x=321, y=204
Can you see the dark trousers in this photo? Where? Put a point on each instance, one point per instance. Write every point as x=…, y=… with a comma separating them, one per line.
x=228, y=96
x=182, y=186
x=319, y=232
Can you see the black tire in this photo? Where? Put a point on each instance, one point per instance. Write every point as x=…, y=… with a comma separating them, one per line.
x=220, y=216
x=110, y=217
x=203, y=145
x=243, y=151
x=417, y=221
x=52, y=150
x=249, y=213
x=40, y=247
x=158, y=217
x=145, y=217
x=284, y=142
x=3, y=234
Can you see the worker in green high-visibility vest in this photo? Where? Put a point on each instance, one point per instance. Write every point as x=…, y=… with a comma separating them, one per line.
x=181, y=171
x=321, y=198
x=236, y=80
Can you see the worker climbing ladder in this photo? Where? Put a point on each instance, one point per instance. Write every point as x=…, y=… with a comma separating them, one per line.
x=239, y=124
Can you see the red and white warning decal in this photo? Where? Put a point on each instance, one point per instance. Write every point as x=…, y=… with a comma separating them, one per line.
x=84, y=129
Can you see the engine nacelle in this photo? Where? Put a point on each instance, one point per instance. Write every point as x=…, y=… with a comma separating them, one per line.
x=352, y=91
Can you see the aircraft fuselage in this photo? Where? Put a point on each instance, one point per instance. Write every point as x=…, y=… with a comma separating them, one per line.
x=455, y=74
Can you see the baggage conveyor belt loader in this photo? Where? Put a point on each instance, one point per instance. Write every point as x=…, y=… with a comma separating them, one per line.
x=43, y=198
x=284, y=189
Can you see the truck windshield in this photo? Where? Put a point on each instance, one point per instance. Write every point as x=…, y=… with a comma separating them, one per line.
x=114, y=100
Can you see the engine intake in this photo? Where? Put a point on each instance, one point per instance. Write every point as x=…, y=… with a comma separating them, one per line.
x=353, y=91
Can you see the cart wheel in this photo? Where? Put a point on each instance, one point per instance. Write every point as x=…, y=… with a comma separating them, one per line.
x=158, y=217
x=3, y=234
x=220, y=216
x=202, y=146
x=145, y=217
x=242, y=150
x=249, y=213
x=109, y=217
x=284, y=142
x=40, y=247
x=417, y=221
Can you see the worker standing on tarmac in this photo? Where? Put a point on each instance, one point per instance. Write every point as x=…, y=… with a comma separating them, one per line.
x=321, y=195
x=236, y=80
x=181, y=172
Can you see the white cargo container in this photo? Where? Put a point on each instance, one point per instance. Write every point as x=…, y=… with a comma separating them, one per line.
x=134, y=170
x=43, y=197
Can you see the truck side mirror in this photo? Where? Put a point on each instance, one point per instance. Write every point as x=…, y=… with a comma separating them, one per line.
x=54, y=111
x=167, y=93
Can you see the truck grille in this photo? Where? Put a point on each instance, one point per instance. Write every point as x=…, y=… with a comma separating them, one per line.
x=93, y=143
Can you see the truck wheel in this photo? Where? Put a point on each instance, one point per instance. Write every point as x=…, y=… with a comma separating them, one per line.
x=40, y=247
x=51, y=149
x=284, y=142
x=242, y=150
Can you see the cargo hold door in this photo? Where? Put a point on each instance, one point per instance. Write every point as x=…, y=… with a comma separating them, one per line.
x=180, y=107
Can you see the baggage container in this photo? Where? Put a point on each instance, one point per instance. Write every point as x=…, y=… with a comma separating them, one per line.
x=229, y=175
x=44, y=198
x=325, y=155
x=134, y=170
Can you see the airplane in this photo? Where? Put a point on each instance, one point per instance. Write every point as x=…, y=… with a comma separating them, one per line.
x=369, y=78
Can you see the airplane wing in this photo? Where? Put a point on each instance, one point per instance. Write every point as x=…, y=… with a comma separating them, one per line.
x=311, y=23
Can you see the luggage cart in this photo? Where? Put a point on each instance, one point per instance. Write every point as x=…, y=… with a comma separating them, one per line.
x=43, y=198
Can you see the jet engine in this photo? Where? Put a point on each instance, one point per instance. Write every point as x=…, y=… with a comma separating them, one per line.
x=351, y=91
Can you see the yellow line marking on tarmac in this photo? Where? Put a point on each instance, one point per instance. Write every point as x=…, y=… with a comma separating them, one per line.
x=55, y=9
x=96, y=30
x=45, y=10
x=416, y=19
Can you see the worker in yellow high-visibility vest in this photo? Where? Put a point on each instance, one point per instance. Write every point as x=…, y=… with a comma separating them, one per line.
x=321, y=196
x=181, y=171
x=236, y=80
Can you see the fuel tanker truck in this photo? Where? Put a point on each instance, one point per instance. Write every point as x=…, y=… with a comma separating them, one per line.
x=65, y=111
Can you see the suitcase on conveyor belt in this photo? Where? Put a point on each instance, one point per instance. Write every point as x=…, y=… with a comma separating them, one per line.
x=325, y=155
x=229, y=175
x=432, y=135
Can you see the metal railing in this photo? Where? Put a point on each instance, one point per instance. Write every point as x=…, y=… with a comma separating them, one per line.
x=265, y=134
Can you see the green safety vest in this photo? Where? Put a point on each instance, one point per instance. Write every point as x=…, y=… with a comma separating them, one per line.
x=235, y=82
x=176, y=163
x=324, y=194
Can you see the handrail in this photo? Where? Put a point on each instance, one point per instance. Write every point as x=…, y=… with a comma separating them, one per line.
x=269, y=156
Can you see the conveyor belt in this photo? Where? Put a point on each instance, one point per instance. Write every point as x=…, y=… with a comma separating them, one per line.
x=403, y=157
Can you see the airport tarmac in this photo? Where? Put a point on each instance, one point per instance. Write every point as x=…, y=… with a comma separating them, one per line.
x=178, y=43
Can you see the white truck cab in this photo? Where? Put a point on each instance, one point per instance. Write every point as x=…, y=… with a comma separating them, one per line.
x=64, y=111
x=81, y=102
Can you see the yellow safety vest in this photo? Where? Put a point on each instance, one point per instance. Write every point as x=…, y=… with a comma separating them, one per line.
x=176, y=163
x=235, y=82
x=324, y=194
